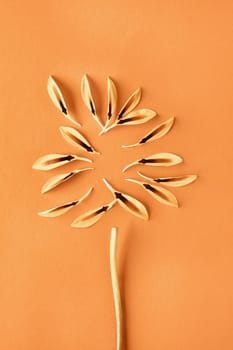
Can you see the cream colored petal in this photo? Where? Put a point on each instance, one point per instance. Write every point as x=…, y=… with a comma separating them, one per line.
x=58, y=100
x=76, y=139
x=92, y=216
x=111, y=189
x=172, y=181
x=161, y=194
x=129, y=203
x=158, y=159
x=132, y=205
x=61, y=178
x=156, y=133
x=126, y=117
x=52, y=161
x=88, y=99
x=131, y=103
x=139, y=116
x=62, y=209
x=112, y=100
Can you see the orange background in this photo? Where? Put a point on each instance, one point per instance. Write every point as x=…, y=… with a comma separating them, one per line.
x=175, y=270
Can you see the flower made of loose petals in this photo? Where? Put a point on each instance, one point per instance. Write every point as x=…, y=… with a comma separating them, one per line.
x=127, y=115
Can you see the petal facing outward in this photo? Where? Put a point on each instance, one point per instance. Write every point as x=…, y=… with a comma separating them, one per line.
x=137, y=117
x=129, y=203
x=62, y=209
x=112, y=101
x=173, y=181
x=159, y=159
x=156, y=133
x=159, y=193
x=129, y=105
x=51, y=161
x=75, y=138
x=88, y=99
x=57, y=98
x=91, y=217
x=59, y=179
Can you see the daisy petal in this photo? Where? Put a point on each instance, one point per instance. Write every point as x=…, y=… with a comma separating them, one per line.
x=112, y=100
x=158, y=159
x=129, y=203
x=130, y=104
x=57, y=98
x=91, y=217
x=156, y=133
x=62, y=209
x=59, y=179
x=137, y=117
x=76, y=139
x=52, y=161
x=88, y=99
x=173, y=181
x=161, y=194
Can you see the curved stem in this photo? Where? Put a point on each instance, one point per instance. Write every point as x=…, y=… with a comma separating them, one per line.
x=115, y=288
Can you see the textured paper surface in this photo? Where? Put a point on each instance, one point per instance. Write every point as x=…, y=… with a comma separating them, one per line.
x=176, y=269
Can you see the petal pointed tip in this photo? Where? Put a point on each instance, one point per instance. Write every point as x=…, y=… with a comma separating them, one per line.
x=175, y=203
x=50, y=79
x=125, y=168
x=128, y=146
x=87, y=169
x=108, y=184
x=90, y=190
x=134, y=181
x=195, y=177
x=84, y=77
